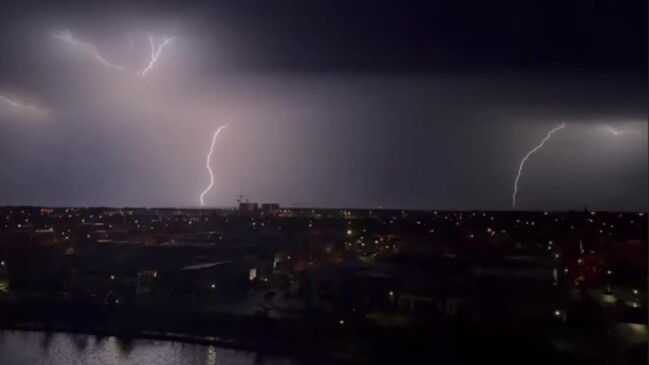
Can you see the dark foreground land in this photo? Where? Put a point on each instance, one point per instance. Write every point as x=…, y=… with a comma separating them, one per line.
x=349, y=286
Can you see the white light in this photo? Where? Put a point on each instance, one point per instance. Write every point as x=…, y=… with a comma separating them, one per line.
x=207, y=164
x=66, y=36
x=620, y=132
x=155, y=52
x=520, y=167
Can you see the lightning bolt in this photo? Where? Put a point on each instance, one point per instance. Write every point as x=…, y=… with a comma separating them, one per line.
x=67, y=37
x=208, y=162
x=520, y=167
x=155, y=52
x=616, y=132
x=14, y=104
x=18, y=105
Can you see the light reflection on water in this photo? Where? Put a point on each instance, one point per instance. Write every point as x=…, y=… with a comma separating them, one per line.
x=38, y=348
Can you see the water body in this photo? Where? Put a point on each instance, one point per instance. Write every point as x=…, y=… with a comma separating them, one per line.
x=38, y=348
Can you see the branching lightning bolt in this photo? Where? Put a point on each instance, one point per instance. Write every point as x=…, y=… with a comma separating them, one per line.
x=520, y=167
x=208, y=163
x=66, y=36
x=155, y=52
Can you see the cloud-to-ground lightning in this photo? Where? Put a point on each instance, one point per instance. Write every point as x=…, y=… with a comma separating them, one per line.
x=155, y=52
x=208, y=163
x=520, y=167
x=67, y=37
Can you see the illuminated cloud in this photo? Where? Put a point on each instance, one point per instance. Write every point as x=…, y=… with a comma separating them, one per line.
x=620, y=132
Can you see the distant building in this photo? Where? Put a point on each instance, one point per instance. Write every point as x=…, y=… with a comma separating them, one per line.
x=45, y=236
x=246, y=207
x=269, y=208
x=4, y=278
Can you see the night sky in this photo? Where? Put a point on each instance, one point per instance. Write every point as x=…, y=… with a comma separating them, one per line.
x=394, y=104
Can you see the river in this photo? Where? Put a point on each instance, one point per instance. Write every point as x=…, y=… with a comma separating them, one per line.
x=38, y=348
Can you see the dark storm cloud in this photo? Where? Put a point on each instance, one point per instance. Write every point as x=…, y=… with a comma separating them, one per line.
x=424, y=105
x=340, y=35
